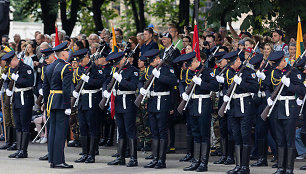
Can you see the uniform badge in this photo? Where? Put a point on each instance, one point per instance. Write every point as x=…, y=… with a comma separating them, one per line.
x=253, y=75
x=100, y=71
x=136, y=74
x=172, y=71
x=29, y=71
x=212, y=74
x=299, y=76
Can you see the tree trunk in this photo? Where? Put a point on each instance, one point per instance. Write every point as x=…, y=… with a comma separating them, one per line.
x=96, y=9
x=4, y=19
x=49, y=15
x=142, y=24
x=183, y=14
x=68, y=24
x=135, y=14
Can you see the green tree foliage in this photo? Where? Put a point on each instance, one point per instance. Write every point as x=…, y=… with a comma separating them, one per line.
x=263, y=15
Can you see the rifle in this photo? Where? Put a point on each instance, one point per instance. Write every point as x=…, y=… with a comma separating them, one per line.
x=191, y=87
x=113, y=82
x=140, y=98
x=233, y=86
x=80, y=85
x=12, y=85
x=4, y=72
x=301, y=111
x=277, y=91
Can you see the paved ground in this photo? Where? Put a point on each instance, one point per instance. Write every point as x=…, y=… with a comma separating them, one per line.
x=32, y=165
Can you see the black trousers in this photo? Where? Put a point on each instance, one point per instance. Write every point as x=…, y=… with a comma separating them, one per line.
x=88, y=122
x=22, y=118
x=159, y=125
x=126, y=123
x=59, y=123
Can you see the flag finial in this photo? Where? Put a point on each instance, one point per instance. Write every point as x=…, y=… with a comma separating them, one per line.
x=299, y=19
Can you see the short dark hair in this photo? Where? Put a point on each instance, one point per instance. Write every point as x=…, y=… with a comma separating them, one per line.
x=150, y=30
x=189, y=38
x=210, y=35
x=120, y=31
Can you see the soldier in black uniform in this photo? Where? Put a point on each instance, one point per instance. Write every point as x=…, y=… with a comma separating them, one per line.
x=48, y=56
x=185, y=79
x=261, y=126
x=285, y=111
x=125, y=109
x=23, y=101
x=57, y=92
x=241, y=110
x=200, y=110
x=227, y=141
x=88, y=104
x=159, y=102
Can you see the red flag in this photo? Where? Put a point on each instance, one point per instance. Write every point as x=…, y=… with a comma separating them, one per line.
x=195, y=42
x=112, y=106
x=56, y=36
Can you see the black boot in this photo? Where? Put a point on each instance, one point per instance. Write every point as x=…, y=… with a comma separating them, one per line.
x=43, y=158
x=197, y=158
x=290, y=160
x=189, y=154
x=245, y=160
x=163, y=144
x=262, y=154
x=110, y=140
x=13, y=139
x=93, y=147
x=18, y=142
x=24, y=145
x=121, y=151
x=133, y=153
x=224, y=154
x=281, y=161
x=155, y=149
x=150, y=157
x=84, y=142
x=238, y=160
x=102, y=142
x=230, y=153
x=204, y=158
x=9, y=140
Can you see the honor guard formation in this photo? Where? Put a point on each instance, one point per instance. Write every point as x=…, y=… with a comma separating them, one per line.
x=238, y=98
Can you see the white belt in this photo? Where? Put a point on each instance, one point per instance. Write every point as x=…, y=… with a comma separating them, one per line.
x=241, y=96
x=124, y=93
x=159, y=95
x=90, y=92
x=286, y=98
x=261, y=94
x=22, y=90
x=200, y=97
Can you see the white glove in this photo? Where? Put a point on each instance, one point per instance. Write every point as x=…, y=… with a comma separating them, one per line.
x=143, y=91
x=156, y=73
x=261, y=75
x=67, y=111
x=305, y=83
x=299, y=102
x=40, y=92
x=15, y=77
x=4, y=76
x=8, y=92
x=185, y=96
x=75, y=94
x=106, y=94
x=286, y=81
x=197, y=80
x=226, y=98
x=237, y=79
x=220, y=79
x=270, y=101
x=118, y=76
x=85, y=78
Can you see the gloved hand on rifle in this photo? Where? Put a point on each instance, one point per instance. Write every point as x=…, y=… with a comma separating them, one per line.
x=118, y=76
x=41, y=92
x=185, y=96
x=299, y=102
x=270, y=101
x=261, y=75
x=220, y=79
x=75, y=94
x=286, y=81
x=237, y=80
x=197, y=80
x=4, y=76
x=15, y=76
x=106, y=94
x=67, y=111
x=156, y=73
x=85, y=78
x=143, y=91
x=8, y=92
